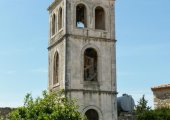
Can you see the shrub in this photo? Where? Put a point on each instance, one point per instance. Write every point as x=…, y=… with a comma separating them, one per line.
x=144, y=112
x=157, y=114
x=52, y=106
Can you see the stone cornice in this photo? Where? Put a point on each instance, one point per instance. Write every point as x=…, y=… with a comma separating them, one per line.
x=80, y=36
x=91, y=37
x=53, y=4
x=92, y=91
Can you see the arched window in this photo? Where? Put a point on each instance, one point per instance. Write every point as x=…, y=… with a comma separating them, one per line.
x=92, y=115
x=99, y=18
x=90, y=65
x=81, y=17
x=53, y=24
x=56, y=68
x=60, y=19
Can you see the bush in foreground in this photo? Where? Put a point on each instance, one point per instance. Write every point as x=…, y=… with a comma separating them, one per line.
x=144, y=112
x=52, y=106
x=157, y=114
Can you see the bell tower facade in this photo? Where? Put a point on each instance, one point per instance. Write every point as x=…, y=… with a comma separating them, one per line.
x=82, y=55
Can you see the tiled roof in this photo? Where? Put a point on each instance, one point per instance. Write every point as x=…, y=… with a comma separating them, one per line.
x=164, y=86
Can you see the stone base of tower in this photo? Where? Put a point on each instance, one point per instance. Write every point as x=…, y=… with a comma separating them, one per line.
x=96, y=105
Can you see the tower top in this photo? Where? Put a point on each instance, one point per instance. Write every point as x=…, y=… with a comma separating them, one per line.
x=86, y=18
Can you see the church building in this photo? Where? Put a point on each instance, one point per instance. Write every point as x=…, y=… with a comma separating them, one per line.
x=82, y=55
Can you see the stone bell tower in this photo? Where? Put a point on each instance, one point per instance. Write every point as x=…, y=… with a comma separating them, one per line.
x=82, y=56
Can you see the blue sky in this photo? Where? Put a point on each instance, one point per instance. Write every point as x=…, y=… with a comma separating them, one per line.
x=143, y=45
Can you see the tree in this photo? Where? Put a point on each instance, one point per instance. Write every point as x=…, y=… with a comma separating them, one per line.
x=52, y=106
x=157, y=114
x=142, y=106
x=144, y=112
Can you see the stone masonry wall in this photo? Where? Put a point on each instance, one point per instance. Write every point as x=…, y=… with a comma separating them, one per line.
x=126, y=116
x=162, y=98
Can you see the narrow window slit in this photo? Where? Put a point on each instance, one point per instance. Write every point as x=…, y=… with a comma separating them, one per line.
x=60, y=19
x=53, y=24
x=56, y=68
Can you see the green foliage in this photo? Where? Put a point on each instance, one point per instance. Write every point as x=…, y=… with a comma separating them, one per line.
x=158, y=114
x=1, y=118
x=52, y=106
x=142, y=106
x=144, y=112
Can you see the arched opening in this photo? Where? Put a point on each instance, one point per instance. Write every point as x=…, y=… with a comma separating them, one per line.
x=56, y=68
x=53, y=24
x=99, y=18
x=92, y=115
x=60, y=17
x=81, y=17
x=90, y=65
